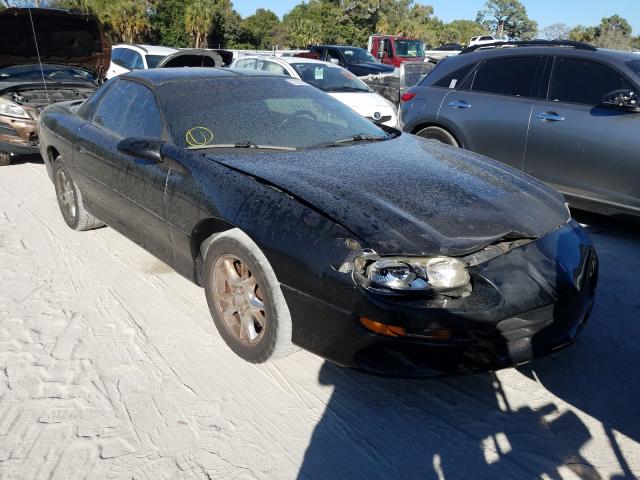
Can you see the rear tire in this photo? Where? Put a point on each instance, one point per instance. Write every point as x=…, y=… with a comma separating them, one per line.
x=5, y=159
x=439, y=134
x=245, y=299
x=70, y=202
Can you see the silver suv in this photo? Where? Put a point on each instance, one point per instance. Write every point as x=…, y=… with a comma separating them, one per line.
x=565, y=112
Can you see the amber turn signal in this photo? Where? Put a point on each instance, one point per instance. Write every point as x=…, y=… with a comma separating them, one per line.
x=381, y=328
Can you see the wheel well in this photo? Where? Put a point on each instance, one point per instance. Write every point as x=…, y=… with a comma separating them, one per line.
x=52, y=153
x=419, y=127
x=203, y=230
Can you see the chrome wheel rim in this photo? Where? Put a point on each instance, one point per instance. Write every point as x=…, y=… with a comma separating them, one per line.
x=238, y=300
x=66, y=195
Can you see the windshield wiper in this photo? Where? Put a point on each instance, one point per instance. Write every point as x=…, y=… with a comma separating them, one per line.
x=347, y=89
x=243, y=144
x=360, y=137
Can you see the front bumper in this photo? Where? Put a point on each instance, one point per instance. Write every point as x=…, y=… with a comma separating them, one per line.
x=18, y=136
x=526, y=303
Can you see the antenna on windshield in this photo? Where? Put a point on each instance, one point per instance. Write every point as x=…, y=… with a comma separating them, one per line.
x=35, y=40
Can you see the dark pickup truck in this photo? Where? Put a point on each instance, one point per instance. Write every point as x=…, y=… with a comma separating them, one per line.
x=357, y=60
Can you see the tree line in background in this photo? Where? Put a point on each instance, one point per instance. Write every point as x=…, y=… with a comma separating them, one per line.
x=215, y=23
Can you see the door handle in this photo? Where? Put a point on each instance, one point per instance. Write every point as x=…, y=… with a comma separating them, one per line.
x=550, y=117
x=459, y=104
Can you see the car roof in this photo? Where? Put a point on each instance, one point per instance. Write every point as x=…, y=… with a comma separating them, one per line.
x=159, y=76
x=615, y=56
x=340, y=47
x=148, y=49
x=289, y=60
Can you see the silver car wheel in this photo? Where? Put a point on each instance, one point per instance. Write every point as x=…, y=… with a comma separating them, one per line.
x=66, y=195
x=238, y=300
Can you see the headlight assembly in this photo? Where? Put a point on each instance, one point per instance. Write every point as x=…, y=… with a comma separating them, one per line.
x=11, y=109
x=413, y=274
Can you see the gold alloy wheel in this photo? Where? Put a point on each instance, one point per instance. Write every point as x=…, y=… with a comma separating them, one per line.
x=238, y=300
x=66, y=195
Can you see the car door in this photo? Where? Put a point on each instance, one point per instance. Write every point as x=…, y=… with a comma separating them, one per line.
x=127, y=192
x=577, y=145
x=490, y=113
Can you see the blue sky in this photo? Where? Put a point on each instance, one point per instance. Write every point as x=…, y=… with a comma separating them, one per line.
x=545, y=12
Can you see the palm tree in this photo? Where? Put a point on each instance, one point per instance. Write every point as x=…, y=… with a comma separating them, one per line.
x=198, y=17
x=129, y=19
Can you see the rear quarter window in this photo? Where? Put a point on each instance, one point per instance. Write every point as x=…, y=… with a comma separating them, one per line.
x=455, y=78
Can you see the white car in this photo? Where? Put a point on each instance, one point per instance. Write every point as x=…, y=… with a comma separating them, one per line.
x=484, y=40
x=126, y=57
x=332, y=79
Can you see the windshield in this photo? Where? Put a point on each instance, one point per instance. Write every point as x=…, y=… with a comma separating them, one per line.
x=358, y=55
x=52, y=73
x=328, y=78
x=409, y=48
x=269, y=111
x=635, y=66
x=154, y=60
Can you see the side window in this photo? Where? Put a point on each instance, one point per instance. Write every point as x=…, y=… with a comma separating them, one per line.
x=333, y=54
x=582, y=81
x=273, y=67
x=514, y=76
x=129, y=109
x=116, y=56
x=387, y=48
x=136, y=61
x=455, y=78
x=249, y=63
x=126, y=58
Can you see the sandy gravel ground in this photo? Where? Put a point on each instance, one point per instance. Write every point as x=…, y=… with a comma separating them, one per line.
x=111, y=368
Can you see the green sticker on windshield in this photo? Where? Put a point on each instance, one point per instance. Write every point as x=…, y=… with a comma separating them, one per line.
x=319, y=73
x=199, y=136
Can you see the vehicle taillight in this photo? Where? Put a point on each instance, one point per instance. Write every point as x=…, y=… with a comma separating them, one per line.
x=406, y=96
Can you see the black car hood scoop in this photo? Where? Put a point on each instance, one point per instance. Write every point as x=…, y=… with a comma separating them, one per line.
x=412, y=196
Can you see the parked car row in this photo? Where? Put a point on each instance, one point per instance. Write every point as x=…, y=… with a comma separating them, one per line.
x=338, y=82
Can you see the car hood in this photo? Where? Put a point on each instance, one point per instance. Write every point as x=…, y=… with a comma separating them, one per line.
x=359, y=100
x=62, y=39
x=412, y=196
x=374, y=67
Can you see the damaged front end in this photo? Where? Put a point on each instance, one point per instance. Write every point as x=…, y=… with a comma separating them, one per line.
x=19, y=112
x=500, y=306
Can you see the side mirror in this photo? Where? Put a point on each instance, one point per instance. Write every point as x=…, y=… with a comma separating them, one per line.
x=144, y=148
x=626, y=100
x=335, y=61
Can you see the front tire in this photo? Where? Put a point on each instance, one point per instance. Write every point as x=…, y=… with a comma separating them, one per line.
x=245, y=299
x=70, y=202
x=439, y=134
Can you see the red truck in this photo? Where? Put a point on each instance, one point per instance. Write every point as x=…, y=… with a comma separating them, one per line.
x=396, y=49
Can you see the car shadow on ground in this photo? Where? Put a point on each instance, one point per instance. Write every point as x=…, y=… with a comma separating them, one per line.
x=476, y=426
x=21, y=159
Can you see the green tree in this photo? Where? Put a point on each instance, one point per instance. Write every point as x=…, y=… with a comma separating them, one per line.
x=507, y=17
x=129, y=20
x=167, y=23
x=198, y=17
x=613, y=32
x=261, y=28
x=465, y=30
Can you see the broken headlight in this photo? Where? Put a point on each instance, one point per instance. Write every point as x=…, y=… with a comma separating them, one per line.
x=11, y=109
x=414, y=274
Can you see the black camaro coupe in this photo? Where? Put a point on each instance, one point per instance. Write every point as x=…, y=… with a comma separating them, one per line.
x=310, y=226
